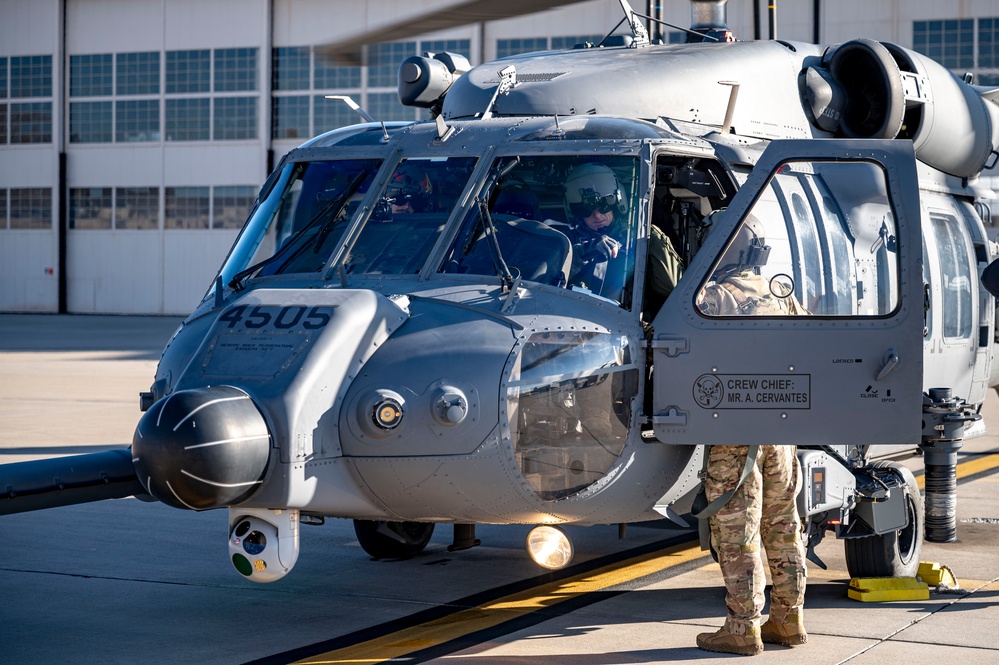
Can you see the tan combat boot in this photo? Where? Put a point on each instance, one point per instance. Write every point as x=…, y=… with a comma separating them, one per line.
x=726, y=642
x=789, y=633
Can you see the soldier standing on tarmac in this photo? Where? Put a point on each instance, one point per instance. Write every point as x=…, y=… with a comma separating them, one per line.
x=761, y=510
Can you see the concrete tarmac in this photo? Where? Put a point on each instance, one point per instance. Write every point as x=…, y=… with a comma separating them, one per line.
x=126, y=581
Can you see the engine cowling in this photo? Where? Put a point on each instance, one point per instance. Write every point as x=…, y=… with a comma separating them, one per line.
x=883, y=91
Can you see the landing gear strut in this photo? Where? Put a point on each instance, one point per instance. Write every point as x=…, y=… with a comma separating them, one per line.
x=393, y=540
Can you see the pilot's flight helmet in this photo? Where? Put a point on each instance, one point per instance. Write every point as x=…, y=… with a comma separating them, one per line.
x=592, y=187
x=409, y=184
x=749, y=248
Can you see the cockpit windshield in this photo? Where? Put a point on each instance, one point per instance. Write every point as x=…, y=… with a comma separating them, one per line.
x=299, y=223
x=563, y=220
x=409, y=216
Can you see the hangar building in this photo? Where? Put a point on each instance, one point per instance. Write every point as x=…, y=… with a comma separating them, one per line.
x=134, y=134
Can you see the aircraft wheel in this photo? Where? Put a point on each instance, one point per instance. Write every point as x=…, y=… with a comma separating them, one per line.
x=393, y=540
x=893, y=554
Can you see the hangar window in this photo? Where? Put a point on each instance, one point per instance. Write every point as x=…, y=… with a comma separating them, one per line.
x=137, y=208
x=31, y=208
x=385, y=106
x=119, y=97
x=90, y=122
x=186, y=208
x=290, y=68
x=230, y=204
x=27, y=79
x=187, y=119
x=188, y=71
x=235, y=118
x=290, y=117
x=31, y=76
x=508, y=47
x=235, y=69
x=137, y=73
x=90, y=208
x=31, y=122
x=330, y=76
x=90, y=75
x=137, y=120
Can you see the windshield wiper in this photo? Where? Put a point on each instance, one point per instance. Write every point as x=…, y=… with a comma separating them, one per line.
x=502, y=269
x=494, y=180
x=338, y=203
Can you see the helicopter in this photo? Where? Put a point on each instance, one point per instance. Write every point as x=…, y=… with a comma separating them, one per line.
x=402, y=336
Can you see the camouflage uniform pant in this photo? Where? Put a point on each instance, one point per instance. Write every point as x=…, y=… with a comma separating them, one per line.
x=761, y=511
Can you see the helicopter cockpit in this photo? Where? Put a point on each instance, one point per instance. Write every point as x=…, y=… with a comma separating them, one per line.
x=387, y=204
x=525, y=219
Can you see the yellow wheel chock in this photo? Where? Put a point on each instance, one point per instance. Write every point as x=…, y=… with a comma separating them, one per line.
x=937, y=575
x=884, y=589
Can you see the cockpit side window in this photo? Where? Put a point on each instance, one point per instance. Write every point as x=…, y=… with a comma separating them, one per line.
x=820, y=240
x=565, y=220
x=410, y=215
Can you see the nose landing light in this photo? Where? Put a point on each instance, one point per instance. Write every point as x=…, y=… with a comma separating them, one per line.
x=549, y=547
x=388, y=413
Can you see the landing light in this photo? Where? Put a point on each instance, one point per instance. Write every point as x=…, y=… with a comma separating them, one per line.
x=549, y=547
x=388, y=413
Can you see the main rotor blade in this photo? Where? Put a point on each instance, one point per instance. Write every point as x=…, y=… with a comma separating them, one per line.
x=348, y=51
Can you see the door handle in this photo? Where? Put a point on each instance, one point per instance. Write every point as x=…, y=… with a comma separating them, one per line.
x=890, y=362
x=926, y=309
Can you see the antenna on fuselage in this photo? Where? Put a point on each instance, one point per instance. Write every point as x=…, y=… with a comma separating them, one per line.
x=507, y=82
x=730, y=110
x=637, y=29
x=364, y=114
x=708, y=23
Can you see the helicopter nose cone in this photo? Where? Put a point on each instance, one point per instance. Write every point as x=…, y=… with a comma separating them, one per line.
x=202, y=448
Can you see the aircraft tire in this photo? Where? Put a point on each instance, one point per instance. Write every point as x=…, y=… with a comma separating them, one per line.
x=393, y=540
x=893, y=554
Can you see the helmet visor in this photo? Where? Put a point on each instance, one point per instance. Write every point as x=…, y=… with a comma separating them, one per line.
x=592, y=202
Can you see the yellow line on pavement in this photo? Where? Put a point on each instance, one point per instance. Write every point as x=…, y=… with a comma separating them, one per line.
x=471, y=620
x=487, y=615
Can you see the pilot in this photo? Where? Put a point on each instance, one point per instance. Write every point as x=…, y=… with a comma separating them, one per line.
x=409, y=190
x=762, y=510
x=592, y=201
x=739, y=288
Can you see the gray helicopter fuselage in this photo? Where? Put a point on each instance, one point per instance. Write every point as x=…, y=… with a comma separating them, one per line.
x=411, y=326
x=429, y=341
